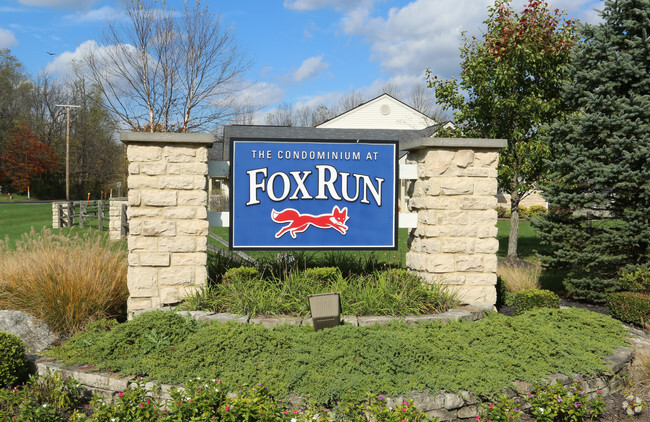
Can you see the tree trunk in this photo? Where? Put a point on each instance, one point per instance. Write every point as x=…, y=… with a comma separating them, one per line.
x=514, y=223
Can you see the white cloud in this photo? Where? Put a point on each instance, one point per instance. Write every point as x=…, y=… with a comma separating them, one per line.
x=102, y=14
x=423, y=33
x=310, y=68
x=59, y=4
x=7, y=38
x=63, y=65
x=261, y=94
x=66, y=64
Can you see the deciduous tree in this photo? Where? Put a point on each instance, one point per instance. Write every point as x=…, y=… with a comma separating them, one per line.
x=177, y=70
x=25, y=158
x=599, y=184
x=509, y=87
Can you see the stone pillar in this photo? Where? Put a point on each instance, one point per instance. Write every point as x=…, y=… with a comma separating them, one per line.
x=56, y=218
x=55, y=215
x=455, y=242
x=167, y=212
x=116, y=230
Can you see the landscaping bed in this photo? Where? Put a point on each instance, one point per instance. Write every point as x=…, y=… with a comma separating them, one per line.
x=470, y=360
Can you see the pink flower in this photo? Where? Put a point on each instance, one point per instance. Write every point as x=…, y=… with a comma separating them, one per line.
x=478, y=418
x=121, y=394
x=227, y=408
x=600, y=392
x=295, y=412
x=404, y=410
x=198, y=391
x=286, y=412
x=490, y=406
x=141, y=405
x=405, y=403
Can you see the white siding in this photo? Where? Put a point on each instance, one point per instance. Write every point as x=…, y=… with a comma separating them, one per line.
x=384, y=112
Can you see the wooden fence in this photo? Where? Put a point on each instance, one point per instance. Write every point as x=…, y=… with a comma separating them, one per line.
x=79, y=212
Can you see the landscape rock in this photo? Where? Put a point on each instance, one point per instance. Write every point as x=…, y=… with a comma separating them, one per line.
x=36, y=335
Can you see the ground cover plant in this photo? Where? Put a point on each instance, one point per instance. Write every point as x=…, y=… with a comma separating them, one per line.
x=344, y=363
x=245, y=291
x=65, y=281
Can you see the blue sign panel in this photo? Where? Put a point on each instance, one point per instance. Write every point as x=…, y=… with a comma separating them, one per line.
x=313, y=194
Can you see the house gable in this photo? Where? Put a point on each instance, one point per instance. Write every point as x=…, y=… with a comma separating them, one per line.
x=383, y=112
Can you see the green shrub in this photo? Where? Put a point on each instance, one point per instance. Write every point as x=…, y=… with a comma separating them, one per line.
x=636, y=279
x=630, y=307
x=523, y=211
x=323, y=275
x=502, y=293
x=219, y=263
x=536, y=210
x=13, y=362
x=591, y=289
x=526, y=300
x=503, y=212
x=241, y=274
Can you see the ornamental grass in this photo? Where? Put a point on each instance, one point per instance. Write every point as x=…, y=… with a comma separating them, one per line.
x=519, y=276
x=65, y=281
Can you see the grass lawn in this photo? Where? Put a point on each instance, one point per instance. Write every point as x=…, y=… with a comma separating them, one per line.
x=17, y=219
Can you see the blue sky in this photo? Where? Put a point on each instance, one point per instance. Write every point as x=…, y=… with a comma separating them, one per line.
x=304, y=52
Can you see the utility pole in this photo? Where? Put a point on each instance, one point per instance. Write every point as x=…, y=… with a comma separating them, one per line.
x=67, y=149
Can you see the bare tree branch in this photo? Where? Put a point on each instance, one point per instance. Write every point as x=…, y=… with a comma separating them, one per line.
x=168, y=70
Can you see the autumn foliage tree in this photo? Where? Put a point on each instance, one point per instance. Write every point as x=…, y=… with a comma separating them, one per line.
x=509, y=87
x=25, y=158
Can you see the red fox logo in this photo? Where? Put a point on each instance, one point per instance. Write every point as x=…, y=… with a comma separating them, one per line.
x=298, y=223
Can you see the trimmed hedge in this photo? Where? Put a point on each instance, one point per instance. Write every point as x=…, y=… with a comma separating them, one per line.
x=630, y=307
x=13, y=362
x=526, y=300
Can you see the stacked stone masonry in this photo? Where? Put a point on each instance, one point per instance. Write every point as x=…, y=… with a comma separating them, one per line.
x=455, y=198
x=167, y=212
x=116, y=219
x=56, y=222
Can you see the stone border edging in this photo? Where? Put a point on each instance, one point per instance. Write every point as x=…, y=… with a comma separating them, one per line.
x=467, y=312
x=460, y=406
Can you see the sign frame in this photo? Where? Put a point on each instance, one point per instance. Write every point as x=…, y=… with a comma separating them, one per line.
x=233, y=242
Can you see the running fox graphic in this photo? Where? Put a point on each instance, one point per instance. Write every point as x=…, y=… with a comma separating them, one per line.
x=298, y=223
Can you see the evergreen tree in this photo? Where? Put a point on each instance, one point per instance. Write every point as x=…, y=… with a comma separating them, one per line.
x=599, y=184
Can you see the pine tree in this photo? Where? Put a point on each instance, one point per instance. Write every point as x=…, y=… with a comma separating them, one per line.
x=599, y=184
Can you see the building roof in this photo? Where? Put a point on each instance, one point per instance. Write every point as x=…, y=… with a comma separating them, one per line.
x=382, y=112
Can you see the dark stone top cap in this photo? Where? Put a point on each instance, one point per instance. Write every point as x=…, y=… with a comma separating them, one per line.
x=167, y=138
